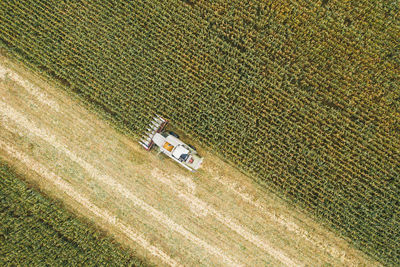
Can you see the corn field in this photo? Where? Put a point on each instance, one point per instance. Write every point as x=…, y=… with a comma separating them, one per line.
x=302, y=95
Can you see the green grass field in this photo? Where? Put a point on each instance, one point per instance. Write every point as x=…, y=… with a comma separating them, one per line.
x=35, y=231
x=302, y=95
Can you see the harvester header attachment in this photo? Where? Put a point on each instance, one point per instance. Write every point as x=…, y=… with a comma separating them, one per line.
x=157, y=125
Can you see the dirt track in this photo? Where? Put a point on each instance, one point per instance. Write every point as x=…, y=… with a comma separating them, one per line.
x=216, y=216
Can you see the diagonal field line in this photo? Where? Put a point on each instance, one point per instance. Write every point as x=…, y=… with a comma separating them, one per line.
x=21, y=121
x=229, y=222
x=29, y=87
x=325, y=245
x=101, y=213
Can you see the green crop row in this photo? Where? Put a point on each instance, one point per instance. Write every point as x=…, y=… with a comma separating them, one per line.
x=35, y=231
x=302, y=95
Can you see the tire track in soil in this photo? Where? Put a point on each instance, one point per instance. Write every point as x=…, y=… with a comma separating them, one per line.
x=98, y=212
x=291, y=226
x=205, y=209
x=32, y=89
x=22, y=122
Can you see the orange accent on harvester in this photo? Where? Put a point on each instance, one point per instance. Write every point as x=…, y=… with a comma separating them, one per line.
x=168, y=146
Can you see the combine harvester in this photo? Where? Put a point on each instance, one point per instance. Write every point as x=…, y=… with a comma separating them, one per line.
x=170, y=144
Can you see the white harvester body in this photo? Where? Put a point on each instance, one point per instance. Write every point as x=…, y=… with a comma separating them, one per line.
x=170, y=144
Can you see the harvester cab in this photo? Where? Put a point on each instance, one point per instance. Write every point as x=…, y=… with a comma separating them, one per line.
x=169, y=144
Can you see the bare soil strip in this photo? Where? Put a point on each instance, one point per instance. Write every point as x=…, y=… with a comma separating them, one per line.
x=216, y=216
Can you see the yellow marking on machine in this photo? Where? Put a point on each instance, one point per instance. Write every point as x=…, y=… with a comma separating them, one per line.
x=168, y=146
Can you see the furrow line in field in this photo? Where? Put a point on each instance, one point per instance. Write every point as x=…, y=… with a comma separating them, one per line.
x=23, y=122
x=203, y=208
x=105, y=215
x=29, y=87
x=291, y=226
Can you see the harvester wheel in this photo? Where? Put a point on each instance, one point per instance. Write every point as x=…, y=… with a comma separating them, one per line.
x=174, y=134
x=192, y=147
